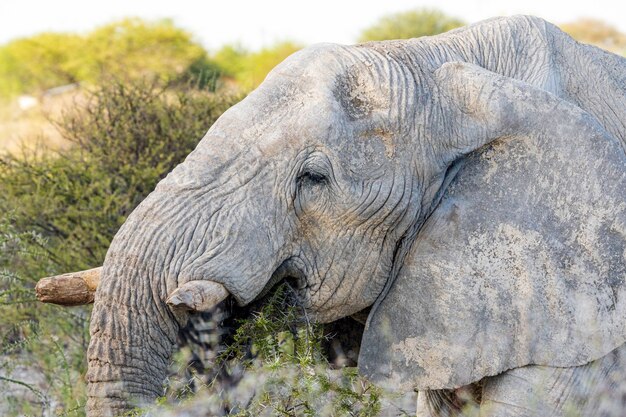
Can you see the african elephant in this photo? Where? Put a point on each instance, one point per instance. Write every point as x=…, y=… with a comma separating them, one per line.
x=469, y=188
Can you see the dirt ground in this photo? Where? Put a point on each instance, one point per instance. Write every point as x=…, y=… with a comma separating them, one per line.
x=26, y=123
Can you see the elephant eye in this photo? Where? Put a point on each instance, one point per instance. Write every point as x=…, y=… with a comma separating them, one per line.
x=310, y=187
x=311, y=178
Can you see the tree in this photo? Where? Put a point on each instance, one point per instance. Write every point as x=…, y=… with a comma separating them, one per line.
x=249, y=69
x=410, y=24
x=232, y=59
x=598, y=33
x=39, y=62
x=133, y=48
x=126, y=50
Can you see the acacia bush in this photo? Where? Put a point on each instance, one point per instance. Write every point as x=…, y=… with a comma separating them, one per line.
x=270, y=361
x=125, y=139
x=42, y=348
x=60, y=212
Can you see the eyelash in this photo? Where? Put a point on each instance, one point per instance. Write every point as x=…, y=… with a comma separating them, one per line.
x=312, y=177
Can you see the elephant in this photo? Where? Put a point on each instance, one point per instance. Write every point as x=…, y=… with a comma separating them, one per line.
x=466, y=191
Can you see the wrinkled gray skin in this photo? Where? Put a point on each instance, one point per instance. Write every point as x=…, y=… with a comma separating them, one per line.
x=352, y=169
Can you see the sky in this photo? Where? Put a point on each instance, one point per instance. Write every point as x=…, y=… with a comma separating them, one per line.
x=254, y=24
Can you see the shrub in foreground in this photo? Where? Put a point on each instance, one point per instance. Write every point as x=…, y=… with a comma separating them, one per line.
x=273, y=363
x=60, y=212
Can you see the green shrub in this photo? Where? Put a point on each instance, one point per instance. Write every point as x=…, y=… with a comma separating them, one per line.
x=61, y=210
x=40, y=62
x=274, y=364
x=42, y=348
x=280, y=343
x=410, y=24
x=248, y=68
x=130, y=49
x=126, y=138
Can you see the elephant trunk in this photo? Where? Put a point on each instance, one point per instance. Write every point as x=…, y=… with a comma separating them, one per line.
x=170, y=256
x=130, y=349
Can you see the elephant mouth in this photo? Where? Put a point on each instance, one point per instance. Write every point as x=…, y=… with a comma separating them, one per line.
x=290, y=273
x=286, y=289
x=207, y=295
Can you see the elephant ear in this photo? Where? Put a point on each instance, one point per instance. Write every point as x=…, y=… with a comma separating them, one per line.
x=523, y=260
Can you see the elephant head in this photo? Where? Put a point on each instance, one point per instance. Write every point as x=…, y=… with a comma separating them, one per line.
x=446, y=196
x=313, y=178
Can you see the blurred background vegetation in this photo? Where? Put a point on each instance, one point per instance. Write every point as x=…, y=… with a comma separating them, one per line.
x=410, y=24
x=89, y=123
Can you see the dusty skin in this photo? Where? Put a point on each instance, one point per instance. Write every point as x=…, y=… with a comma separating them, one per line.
x=469, y=187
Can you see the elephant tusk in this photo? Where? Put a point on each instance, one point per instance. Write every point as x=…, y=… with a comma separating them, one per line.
x=73, y=289
x=197, y=296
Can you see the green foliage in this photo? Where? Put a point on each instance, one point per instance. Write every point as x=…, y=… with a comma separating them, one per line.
x=289, y=351
x=410, y=24
x=136, y=49
x=277, y=359
x=39, y=62
x=130, y=49
x=201, y=74
x=42, y=348
x=126, y=139
x=232, y=60
x=61, y=211
x=250, y=68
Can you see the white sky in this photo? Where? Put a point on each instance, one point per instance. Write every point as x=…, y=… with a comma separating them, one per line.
x=263, y=22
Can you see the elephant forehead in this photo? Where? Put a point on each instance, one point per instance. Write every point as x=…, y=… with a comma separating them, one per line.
x=360, y=149
x=312, y=125
x=287, y=115
x=318, y=124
